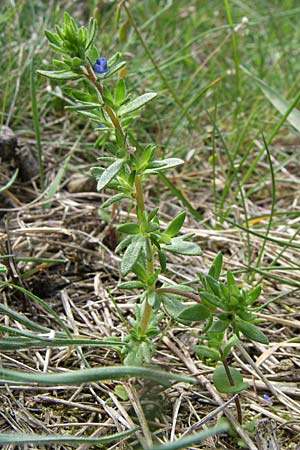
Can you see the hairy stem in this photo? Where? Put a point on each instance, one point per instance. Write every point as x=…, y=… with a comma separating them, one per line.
x=139, y=194
x=146, y=317
x=110, y=112
x=150, y=264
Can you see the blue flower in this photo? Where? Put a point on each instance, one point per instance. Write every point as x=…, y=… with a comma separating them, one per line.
x=100, y=65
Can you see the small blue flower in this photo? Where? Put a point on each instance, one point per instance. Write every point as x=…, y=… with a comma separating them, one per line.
x=266, y=397
x=100, y=65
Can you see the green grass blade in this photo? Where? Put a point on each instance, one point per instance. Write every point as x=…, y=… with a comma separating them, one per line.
x=187, y=441
x=180, y=196
x=189, y=104
x=42, y=303
x=280, y=242
x=238, y=182
x=89, y=375
x=10, y=182
x=14, y=343
x=165, y=81
x=54, y=186
x=287, y=109
x=10, y=438
x=36, y=125
x=22, y=319
x=50, y=310
x=273, y=201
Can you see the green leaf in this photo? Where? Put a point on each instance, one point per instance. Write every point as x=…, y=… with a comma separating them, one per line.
x=113, y=199
x=222, y=383
x=124, y=243
x=233, y=288
x=60, y=74
x=154, y=299
x=147, y=155
x=141, y=273
x=120, y=91
x=251, y=331
x=162, y=260
x=181, y=247
x=131, y=254
x=175, y=225
x=229, y=344
x=215, y=270
x=213, y=284
x=134, y=284
x=129, y=228
x=55, y=183
x=172, y=305
x=91, y=115
x=3, y=268
x=113, y=69
x=107, y=96
x=91, y=32
x=53, y=38
x=195, y=313
x=108, y=174
x=206, y=352
x=161, y=165
x=152, y=214
x=84, y=106
x=218, y=326
x=253, y=295
x=137, y=103
x=210, y=298
x=120, y=391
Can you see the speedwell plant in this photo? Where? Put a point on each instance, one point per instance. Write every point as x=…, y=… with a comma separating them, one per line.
x=101, y=96
x=227, y=310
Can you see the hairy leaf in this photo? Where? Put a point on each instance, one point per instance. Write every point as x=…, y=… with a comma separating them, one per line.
x=251, y=331
x=137, y=103
x=206, y=352
x=60, y=74
x=175, y=225
x=109, y=174
x=195, y=313
x=131, y=255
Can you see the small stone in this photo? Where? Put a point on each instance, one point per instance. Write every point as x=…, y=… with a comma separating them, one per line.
x=26, y=161
x=81, y=183
x=8, y=143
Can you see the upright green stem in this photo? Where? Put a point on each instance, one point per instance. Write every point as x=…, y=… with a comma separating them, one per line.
x=146, y=317
x=150, y=265
x=139, y=194
x=110, y=112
